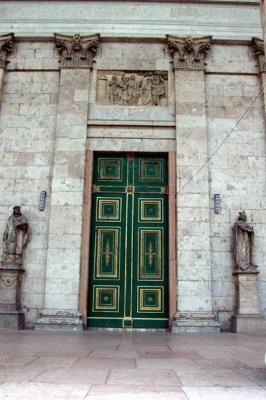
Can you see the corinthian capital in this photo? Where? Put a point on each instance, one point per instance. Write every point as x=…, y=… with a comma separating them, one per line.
x=6, y=46
x=258, y=45
x=76, y=51
x=189, y=52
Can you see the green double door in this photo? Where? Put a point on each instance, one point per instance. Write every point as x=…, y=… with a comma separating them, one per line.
x=128, y=282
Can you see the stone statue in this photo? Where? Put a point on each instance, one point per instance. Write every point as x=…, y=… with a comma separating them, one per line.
x=243, y=237
x=15, y=237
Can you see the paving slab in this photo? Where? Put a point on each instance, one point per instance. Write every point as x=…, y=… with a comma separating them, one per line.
x=133, y=365
x=225, y=393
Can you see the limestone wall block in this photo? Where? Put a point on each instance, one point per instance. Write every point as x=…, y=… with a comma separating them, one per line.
x=195, y=228
x=197, y=258
x=221, y=244
x=190, y=271
x=63, y=269
x=58, y=301
x=62, y=285
x=131, y=132
x=131, y=145
x=132, y=113
x=31, y=302
x=62, y=241
x=35, y=270
x=38, y=241
x=69, y=184
x=67, y=198
x=192, y=200
x=32, y=285
x=222, y=305
x=70, y=145
x=223, y=288
x=7, y=158
x=196, y=243
x=193, y=214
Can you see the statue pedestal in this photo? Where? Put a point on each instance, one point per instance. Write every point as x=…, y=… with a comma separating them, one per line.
x=11, y=315
x=248, y=317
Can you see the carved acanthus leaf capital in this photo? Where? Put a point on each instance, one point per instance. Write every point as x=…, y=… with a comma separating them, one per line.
x=189, y=52
x=6, y=46
x=76, y=51
x=258, y=45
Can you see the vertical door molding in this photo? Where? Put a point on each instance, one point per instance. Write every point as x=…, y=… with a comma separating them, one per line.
x=172, y=215
x=86, y=230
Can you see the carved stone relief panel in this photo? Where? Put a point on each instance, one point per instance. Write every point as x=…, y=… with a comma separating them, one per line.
x=129, y=88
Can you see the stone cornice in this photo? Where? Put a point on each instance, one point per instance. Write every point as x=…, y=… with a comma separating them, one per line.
x=189, y=52
x=6, y=46
x=76, y=51
x=258, y=46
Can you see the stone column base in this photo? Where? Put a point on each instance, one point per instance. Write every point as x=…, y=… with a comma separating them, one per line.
x=52, y=320
x=248, y=323
x=12, y=319
x=195, y=323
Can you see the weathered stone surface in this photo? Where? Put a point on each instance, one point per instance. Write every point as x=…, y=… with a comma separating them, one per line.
x=215, y=122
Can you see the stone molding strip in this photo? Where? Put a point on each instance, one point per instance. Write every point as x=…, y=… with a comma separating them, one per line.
x=76, y=51
x=188, y=52
x=6, y=46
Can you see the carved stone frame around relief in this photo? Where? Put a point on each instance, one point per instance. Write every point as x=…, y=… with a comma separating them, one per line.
x=132, y=88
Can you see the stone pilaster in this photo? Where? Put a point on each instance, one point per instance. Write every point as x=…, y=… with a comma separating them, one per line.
x=6, y=46
x=194, y=300
x=65, y=225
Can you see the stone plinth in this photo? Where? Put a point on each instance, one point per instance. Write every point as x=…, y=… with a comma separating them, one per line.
x=11, y=315
x=195, y=323
x=52, y=320
x=248, y=316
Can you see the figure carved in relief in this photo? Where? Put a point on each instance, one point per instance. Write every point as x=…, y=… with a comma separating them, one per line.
x=147, y=88
x=15, y=237
x=243, y=238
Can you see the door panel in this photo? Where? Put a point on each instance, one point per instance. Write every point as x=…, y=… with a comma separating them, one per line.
x=128, y=264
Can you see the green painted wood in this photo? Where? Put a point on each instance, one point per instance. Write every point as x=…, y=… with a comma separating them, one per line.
x=128, y=278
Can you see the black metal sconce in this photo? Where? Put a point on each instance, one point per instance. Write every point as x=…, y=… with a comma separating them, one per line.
x=42, y=200
x=216, y=203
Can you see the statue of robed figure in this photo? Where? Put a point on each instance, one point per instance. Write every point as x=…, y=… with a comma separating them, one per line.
x=243, y=239
x=15, y=238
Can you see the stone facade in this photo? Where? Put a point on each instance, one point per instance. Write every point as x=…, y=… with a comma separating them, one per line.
x=209, y=111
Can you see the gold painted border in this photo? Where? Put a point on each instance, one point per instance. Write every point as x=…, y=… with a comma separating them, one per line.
x=141, y=274
x=140, y=306
x=100, y=201
x=141, y=203
x=106, y=308
x=98, y=252
x=141, y=171
x=102, y=177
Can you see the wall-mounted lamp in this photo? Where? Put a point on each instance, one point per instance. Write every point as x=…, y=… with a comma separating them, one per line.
x=216, y=203
x=42, y=200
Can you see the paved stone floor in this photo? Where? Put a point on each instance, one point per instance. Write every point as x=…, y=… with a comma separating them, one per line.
x=114, y=366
